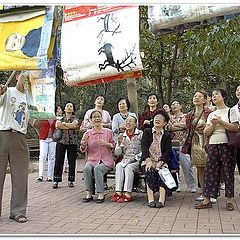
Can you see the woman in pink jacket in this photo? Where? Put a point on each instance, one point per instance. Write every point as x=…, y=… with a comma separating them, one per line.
x=98, y=143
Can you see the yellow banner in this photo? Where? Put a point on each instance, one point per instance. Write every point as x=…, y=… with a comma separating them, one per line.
x=14, y=53
x=25, y=39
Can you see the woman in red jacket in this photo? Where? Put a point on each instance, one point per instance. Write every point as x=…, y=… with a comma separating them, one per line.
x=45, y=129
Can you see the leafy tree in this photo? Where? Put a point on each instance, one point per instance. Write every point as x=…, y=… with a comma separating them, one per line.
x=177, y=64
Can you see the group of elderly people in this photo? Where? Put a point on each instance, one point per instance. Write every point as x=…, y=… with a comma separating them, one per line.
x=148, y=149
x=134, y=146
x=145, y=145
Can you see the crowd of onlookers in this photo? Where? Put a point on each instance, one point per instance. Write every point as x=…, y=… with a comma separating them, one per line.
x=130, y=144
x=127, y=144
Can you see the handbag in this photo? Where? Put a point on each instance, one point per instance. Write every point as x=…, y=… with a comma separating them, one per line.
x=233, y=137
x=187, y=146
x=167, y=177
x=57, y=135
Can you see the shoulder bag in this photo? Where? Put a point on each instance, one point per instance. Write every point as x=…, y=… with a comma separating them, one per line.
x=187, y=146
x=57, y=135
x=233, y=137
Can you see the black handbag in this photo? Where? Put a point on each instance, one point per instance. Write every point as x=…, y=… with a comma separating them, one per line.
x=57, y=135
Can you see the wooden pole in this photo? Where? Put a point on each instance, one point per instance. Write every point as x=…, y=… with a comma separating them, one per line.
x=13, y=75
x=132, y=94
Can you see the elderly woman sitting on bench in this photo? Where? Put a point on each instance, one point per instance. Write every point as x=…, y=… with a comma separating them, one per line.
x=128, y=145
x=98, y=144
x=156, y=153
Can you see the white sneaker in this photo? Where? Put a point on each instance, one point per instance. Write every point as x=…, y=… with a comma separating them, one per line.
x=213, y=200
x=222, y=186
x=193, y=189
x=200, y=198
x=178, y=189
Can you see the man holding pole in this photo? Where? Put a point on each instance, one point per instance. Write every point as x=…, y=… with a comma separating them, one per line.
x=14, y=119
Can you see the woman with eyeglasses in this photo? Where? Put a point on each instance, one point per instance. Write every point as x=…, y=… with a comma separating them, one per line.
x=156, y=153
x=128, y=145
x=98, y=144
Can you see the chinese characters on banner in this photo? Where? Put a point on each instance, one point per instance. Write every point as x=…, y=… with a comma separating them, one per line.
x=100, y=44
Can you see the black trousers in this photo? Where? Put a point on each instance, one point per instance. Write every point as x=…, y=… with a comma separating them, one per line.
x=60, y=154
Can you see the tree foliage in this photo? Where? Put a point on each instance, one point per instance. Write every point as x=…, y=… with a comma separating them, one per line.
x=175, y=65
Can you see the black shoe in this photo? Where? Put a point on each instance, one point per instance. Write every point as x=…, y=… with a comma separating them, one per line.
x=55, y=185
x=100, y=200
x=152, y=204
x=85, y=200
x=40, y=179
x=159, y=205
x=70, y=184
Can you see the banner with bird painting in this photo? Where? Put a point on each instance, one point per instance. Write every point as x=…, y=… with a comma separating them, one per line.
x=100, y=44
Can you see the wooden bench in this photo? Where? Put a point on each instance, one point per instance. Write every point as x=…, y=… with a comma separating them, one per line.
x=33, y=145
x=138, y=175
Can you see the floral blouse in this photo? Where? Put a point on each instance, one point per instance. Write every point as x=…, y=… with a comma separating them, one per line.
x=69, y=136
x=155, y=147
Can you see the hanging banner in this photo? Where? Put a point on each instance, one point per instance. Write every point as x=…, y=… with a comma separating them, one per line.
x=165, y=18
x=40, y=89
x=100, y=44
x=25, y=39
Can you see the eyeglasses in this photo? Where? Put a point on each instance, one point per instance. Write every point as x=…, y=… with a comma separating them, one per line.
x=96, y=116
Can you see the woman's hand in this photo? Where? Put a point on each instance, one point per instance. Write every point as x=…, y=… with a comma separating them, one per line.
x=120, y=138
x=102, y=142
x=216, y=120
x=159, y=164
x=146, y=122
x=148, y=164
x=84, y=140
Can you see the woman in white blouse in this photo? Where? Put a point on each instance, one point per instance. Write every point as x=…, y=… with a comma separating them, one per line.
x=220, y=154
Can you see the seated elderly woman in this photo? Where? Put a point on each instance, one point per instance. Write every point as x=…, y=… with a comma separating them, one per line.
x=156, y=153
x=128, y=145
x=98, y=144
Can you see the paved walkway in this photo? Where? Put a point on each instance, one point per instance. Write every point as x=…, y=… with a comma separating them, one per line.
x=61, y=211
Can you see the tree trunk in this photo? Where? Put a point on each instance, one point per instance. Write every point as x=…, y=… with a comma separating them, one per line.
x=172, y=69
x=132, y=94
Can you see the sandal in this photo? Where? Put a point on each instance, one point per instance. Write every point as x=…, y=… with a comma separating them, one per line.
x=229, y=206
x=152, y=204
x=203, y=206
x=20, y=218
x=159, y=205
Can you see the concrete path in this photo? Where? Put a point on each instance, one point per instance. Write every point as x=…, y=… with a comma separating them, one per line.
x=61, y=211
